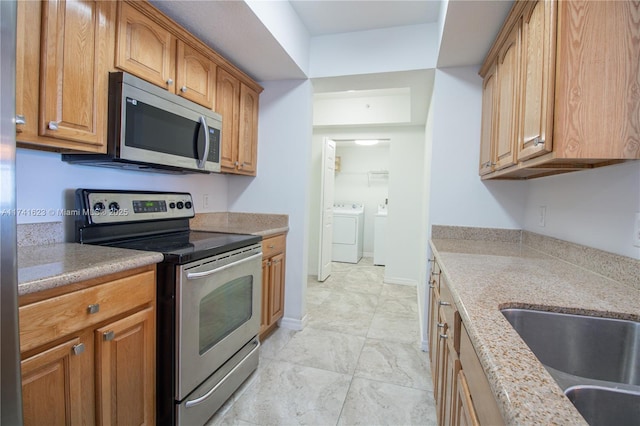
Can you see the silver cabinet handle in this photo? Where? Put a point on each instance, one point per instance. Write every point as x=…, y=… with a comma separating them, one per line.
x=538, y=141
x=183, y=89
x=108, y=335
x=20, y=119
x=443, y=336
x=78, y=349
x=53, y=125
x=93, y=308
x=272, y=246
x=440, y=325
x=236, y=164
x=444, y=303
x=169, y=82
x=432, y=286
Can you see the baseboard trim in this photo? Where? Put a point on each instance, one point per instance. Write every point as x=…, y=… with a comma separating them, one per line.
x=402, y=281
x=293, y=323
x=424, y=345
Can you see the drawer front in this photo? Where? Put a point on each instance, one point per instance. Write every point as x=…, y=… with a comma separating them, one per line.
x=273, y=245
x=50, y=319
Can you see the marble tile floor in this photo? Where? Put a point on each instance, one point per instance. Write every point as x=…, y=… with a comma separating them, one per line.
x=357, y=362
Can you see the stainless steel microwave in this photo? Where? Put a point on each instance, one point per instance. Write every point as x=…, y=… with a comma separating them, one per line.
x=152, y=129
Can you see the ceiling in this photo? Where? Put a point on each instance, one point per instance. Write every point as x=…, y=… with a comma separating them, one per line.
x=470, y=27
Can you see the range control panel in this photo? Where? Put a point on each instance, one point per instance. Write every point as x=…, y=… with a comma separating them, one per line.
x=103, y=207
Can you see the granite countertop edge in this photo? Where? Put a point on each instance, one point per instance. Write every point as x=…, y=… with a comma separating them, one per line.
x=231, y=229
x=60, y=264
x=526, y=393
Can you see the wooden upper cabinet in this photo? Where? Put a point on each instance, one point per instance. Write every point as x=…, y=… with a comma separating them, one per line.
x=538, y=59
x=575, y=104
x=195, y=76
x=598, y=78
x=228, y=105
x=248, y=131
x=487, y=137
x=145, y=48
x=507, y=85
x=65, y=49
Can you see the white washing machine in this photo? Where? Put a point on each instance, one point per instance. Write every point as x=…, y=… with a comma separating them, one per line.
x=348, y=232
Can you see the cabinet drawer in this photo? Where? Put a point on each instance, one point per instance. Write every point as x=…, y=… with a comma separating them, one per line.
x=50, y=319
x=485, y=405
x=273, y=245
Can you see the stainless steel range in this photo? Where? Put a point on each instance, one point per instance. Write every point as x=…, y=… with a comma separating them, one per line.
x=208, y=295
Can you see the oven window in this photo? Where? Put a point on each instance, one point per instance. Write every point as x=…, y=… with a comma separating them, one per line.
x=224, y=310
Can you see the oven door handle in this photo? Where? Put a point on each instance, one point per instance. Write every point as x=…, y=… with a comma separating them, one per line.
x=196, y=275
x=207, y=395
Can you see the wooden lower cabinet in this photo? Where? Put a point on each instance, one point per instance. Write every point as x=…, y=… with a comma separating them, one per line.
x=460, y=388
x=96, y=364
x=273, y=272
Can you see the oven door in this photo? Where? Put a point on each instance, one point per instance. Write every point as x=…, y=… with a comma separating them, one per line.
x=218, y=312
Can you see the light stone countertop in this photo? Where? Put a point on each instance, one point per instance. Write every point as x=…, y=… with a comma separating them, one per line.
x=485, y=276
x=241, y=223
x=42, y=267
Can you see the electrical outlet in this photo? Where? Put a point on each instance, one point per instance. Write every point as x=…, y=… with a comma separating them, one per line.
x=542, y=216
x=636, y=231
x=205, y=201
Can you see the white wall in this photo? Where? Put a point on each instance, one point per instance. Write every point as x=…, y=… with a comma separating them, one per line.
x=44, y=182
x=412, y=47
x=352, y=183
x=284, y=153
x=595, y=207
x=406, y=219
x=458, y=196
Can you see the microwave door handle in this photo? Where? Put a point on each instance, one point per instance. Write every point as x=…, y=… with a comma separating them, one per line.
x=196, y=275
x=203, y=160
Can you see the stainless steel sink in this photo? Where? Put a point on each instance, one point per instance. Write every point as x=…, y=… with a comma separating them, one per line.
x=596, y=361
x=592, y=347
x=606, y=406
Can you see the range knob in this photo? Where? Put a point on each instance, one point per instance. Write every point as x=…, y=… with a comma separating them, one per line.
x=98, y=207
x=187, y=205
x=114, y=207
x=180, y=205
x=172, y=205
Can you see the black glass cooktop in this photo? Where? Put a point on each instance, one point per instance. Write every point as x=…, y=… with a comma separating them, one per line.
x=187, y=246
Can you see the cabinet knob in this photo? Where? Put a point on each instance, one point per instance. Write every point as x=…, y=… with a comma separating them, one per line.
x=441, y=303
x=538, y=141
x=20, y=119
x=440, y=325
x=169, y=82
x=443, y=336
x=272, y=246
x=268, y=263
x=108, y=335
x=183, y=89
x=53, y=125
x=78, y=349
x=93, y=308
x=236, y=163
x=432, y=286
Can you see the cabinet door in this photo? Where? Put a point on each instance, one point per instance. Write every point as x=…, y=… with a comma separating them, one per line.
x=195, y=76
x=51, y=385
x=442, y=359
x=264, y=314
x=451, y=385
x=434, y=298
x=465, y=412
x=488, y=132
x=144, y=48
x=248, y=131
x=538, y=51
x=228, y=105
x=73, y=81
x=508, y=81
x=276, y=299
x=125, y=370
x=27, y=69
